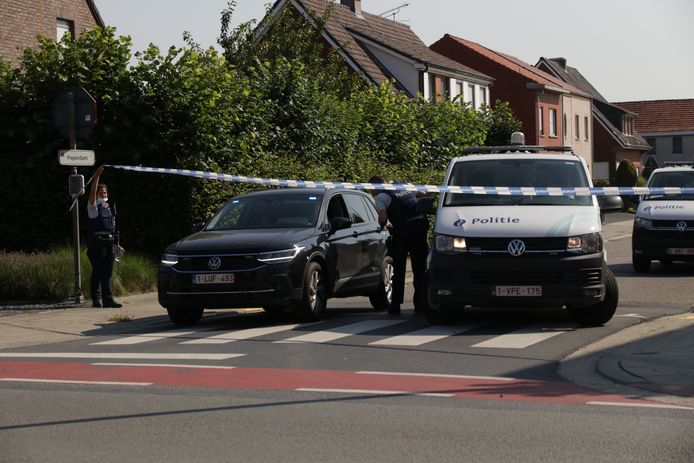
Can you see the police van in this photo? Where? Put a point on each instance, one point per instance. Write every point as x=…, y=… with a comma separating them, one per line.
x=664, y=224
x=534, y=250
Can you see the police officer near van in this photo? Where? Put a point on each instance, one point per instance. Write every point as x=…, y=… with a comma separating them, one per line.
x=409, y=232
x=101, y=228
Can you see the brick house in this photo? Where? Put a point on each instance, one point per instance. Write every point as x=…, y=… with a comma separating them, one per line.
x=380, y=49
x=615, y=137
x=667, y=126
x=21, y=21
x=546, y=106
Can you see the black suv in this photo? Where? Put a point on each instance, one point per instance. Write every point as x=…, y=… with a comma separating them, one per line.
x=279, y=249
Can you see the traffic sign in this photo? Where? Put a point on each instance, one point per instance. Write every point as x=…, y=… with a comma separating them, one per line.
x=76, y=157
x=74, y=109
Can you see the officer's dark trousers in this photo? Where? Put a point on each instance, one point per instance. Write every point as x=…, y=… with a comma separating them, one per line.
x=410, y=238
x=100, y=253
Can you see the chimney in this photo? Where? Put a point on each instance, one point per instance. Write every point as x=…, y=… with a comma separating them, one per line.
x=353, y=5
x=561, y=62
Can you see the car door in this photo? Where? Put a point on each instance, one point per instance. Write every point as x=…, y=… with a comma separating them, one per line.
x=343, y=247
x=368, y=234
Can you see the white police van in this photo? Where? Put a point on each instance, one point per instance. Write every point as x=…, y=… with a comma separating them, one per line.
x=534, y=250
x=664, y=224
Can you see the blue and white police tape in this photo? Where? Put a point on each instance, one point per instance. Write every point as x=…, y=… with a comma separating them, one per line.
x=476, y=190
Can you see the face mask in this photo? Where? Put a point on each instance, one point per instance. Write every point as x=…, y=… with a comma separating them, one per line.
x=101, y=200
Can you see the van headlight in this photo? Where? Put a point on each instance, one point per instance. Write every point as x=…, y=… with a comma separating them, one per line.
x=169, y=259
x=446, y=243
x=279, y=257
x=585, y=244
x=643, y=223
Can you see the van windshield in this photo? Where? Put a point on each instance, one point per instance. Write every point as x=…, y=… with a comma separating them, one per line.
x=681, y=179
x=518, y=173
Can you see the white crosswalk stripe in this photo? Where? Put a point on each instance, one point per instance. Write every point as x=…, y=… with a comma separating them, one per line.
x=520, y=339
x=338, y=332
x=142, y=338
x=240, y=335
x=423, y=336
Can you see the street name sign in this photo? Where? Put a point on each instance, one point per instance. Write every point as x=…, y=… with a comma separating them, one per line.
x=76, y=157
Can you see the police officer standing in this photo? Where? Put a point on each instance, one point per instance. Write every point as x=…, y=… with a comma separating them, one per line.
x=101, y=227
x=409, y=234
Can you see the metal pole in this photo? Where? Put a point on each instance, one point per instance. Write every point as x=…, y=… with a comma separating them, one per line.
x=79, y=298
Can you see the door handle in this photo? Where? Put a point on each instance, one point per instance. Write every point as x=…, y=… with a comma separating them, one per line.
x=355, y=234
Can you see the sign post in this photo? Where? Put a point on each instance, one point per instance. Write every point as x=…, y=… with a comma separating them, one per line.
x=74, y=115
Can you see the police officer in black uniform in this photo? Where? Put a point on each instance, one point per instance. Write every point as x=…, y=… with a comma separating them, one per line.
x=409, y=232
x=101, y=227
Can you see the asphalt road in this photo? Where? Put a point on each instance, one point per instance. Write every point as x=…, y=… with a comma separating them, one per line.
x=360, y=386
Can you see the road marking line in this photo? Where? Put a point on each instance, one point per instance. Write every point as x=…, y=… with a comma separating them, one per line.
x=67, y=381
x=372, y=392
x=632, y=315
x=435, y=375
x=241, y=335
x=119, y=355
x=166, y=365
x=619, y=237
x=342, y=331
x=519, y=339
x=423, y=336
x=141, y=338
x=621, y=404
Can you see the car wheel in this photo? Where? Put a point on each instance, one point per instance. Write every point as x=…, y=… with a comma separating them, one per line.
x=602, y=312
x=641, y=264
x=314, y=301
x=383, y=298
x=185, y=315
x=437, y=313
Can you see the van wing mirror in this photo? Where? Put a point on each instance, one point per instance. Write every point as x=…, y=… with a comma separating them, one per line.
x=610, y=203
x=425, y=205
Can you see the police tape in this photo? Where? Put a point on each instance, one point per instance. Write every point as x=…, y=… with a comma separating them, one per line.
x=475, y=190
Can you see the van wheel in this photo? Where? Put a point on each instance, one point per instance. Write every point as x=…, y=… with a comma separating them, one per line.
x=314, y=301
x=601, y=312
x=383, y=297
x=641, y=264
x=437, y=313
x=183, y=315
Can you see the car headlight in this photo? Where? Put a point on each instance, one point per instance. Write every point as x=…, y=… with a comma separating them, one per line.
x=643, y=223
x=278, y=257
x=169, y=259
x=585, y=244
x=446, y=243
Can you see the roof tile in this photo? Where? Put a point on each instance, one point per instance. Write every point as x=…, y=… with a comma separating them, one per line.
x=662, y=115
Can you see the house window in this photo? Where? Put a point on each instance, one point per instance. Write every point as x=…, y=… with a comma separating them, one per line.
x=676, y=145
x=432, y=87
x=541, y=122
x=64, y=27
x=651, y=141
x=446, y=88
x=460, y=86
x=552, y=116
x=565, y=127
x=483, y=95
x=585, y=127
x=471, y=92
x=578, y=127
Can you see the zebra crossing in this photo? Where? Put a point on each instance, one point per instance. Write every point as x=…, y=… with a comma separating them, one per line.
x=320, y=333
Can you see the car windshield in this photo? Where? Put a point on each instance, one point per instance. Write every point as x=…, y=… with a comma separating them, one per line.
x=681, y=179
x=517, y=173
x=296, y=210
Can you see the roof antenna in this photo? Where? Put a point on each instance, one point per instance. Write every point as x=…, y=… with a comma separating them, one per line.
x=394, y=11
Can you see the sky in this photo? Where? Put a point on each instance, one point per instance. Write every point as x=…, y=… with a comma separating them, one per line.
x=629, y=50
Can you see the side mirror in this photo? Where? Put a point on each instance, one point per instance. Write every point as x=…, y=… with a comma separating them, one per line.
x=610, y=203
x=425, y=205
x=198, y=225
x=339, y=223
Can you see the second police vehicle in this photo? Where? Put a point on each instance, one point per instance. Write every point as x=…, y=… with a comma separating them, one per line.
x=520, y=251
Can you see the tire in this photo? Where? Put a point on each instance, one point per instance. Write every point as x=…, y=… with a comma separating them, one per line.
x=437, y=313
x=601, y=312
x=383, y=298
x=185, y=315
x=641, y=264
x=313, y=303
